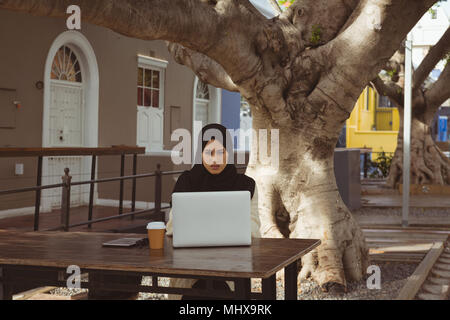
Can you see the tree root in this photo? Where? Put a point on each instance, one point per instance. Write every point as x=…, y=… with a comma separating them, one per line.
x=429, y=165
x=342, y=256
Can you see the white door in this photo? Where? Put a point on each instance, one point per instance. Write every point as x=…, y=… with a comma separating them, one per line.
x=66, y=130
x=150, y=109
x=150, y=128
x=66, y=113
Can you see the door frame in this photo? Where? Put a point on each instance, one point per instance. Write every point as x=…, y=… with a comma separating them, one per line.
x=151, y=63
x=215, y=105
x=76, y=41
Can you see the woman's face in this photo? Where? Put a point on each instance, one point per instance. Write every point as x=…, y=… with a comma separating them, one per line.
x=214, y=157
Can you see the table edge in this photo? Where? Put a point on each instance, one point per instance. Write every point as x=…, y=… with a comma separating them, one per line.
x=155, y=270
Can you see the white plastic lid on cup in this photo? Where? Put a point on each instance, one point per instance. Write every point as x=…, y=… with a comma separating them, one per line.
x=156, y=226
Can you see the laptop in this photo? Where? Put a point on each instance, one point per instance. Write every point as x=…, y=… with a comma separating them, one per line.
x=211, y=219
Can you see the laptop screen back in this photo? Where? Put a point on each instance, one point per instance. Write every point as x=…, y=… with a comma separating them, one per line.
x=209, y=219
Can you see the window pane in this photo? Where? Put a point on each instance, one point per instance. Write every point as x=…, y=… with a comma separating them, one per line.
x=140, y=96
x=155, y=79
x=147, y=97
x=148, y=78
x=66, y=52
x=385, y=102
x=65, y=66
x=140, y=77
x=78, y=77
x=155, y=99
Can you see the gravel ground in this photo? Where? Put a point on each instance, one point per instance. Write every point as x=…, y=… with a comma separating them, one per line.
x=67, y=292
x=393, y=278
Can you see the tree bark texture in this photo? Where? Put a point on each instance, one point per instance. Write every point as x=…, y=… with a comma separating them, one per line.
x=428, y=163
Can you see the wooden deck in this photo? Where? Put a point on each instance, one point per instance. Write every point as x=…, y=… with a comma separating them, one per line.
x=402, y=244
x=395, y=201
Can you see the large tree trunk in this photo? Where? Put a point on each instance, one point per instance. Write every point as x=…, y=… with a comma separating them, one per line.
x=301, y=200
x=428, y=164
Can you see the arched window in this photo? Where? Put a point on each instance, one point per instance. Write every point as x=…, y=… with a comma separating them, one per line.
x=66, y=66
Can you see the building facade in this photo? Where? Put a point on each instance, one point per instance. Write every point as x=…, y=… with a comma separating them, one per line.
x=373, y=123
x=93, y=88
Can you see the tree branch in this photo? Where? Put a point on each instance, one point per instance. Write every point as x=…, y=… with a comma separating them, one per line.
x=208, y=70
x=208, y=27
x=439, y=92
x=395, y=67
x=389, y=89
x=318, y=21
x=436, y=53
x=376, y=32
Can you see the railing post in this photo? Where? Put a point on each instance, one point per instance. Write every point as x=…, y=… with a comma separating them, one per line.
x=158, y=193
x=122, y=174
x=133, y=193
x=365, y=165
x=92, y=189
x=65, y=200
x=37, y=202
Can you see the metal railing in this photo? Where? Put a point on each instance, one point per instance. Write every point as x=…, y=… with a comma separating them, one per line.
x=40, y=153
x=379, y=167
x=156, y=213
x=67, y=184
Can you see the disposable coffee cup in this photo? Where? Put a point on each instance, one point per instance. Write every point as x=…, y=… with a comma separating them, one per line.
x=156, y=232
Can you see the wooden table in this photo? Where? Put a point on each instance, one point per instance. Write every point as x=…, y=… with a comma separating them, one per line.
x=30, y=260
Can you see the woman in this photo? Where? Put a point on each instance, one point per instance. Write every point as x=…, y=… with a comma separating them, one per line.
x=214, y=171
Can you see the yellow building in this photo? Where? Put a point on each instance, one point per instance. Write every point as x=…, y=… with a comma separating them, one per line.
x=374, y=123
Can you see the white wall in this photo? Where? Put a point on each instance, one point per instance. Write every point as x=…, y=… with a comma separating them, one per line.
x=427, y=33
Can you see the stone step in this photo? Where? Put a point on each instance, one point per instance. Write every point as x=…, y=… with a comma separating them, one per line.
x=444, y=260
x=441, y=273
x=429, y=296
x=436, y=289
x=442, y=266
x=439, y=281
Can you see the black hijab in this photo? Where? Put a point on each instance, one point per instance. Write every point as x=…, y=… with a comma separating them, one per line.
x=199, y=179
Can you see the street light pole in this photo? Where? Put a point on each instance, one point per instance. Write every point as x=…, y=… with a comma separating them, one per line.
x=407, y=130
